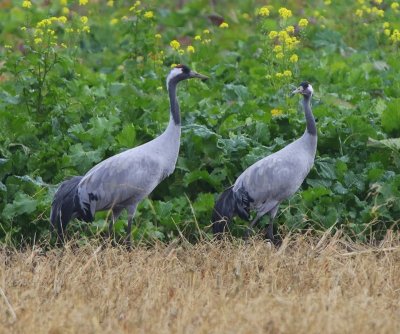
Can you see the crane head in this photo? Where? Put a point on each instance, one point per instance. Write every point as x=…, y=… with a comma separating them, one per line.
x=305, y=88
x=182, y=72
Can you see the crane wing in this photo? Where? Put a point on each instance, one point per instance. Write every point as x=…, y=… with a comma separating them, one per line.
x=122, y=178
x=275, y=177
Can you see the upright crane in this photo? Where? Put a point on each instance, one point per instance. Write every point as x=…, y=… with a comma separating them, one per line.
x=123, y=180
x=269, y=181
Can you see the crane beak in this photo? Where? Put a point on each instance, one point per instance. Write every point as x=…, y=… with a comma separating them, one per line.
x=297, y=90
x=194, y=74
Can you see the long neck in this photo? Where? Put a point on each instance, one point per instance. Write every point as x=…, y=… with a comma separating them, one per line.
x=311, y=127
x=174, y=111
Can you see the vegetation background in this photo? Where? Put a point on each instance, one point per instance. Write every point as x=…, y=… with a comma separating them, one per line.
x=83, y=80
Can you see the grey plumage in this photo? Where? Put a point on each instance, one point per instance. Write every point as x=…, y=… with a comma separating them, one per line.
x=265, y=184
x=123, y=180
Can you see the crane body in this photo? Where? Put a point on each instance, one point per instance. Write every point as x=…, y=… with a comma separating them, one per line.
x=269, y=181
x=123, y=180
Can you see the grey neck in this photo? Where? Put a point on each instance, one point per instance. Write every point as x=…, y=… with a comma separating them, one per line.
x=311, y=127
x=174, y=105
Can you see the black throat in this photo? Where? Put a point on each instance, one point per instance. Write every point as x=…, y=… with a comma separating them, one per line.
x=311, y=126
x=174, y=105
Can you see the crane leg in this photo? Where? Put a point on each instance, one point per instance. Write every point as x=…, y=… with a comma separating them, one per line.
x=115, y=213
x=270, y=229
x=131, y=214
x=249, y=229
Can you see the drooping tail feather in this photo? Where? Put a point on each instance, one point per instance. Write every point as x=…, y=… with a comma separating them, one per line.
x=228, y=205
x=224, y=211
x=64, y=206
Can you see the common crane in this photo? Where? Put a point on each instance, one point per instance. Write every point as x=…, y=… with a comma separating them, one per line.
x=269, y=181
x=123, y=180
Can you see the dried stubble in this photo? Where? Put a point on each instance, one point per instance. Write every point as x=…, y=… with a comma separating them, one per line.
x=307, y=286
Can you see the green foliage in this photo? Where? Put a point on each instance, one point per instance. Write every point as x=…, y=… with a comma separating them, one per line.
x=88, y=90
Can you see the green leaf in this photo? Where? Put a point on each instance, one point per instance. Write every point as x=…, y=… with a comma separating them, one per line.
x=204, y=202
x=391, y=143
x=391, y=117
x=127, y=136
x=22, y=204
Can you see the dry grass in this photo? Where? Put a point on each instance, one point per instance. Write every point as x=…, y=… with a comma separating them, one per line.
x=309, y=285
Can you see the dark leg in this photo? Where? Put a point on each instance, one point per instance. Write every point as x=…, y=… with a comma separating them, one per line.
x=249, y=229
x=131, y=214
x=115, y=213
x=270, y=228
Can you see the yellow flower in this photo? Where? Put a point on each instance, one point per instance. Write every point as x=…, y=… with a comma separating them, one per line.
x=277, y=112
x=8, y=46
x=175, y=44
x=86, y=29
x=63, y=2
x=263, y=11
x=206, y=41
x=394, y=6
x=181, y=52
x=279, y=55
x=359, y=12
x=190, y=49
x=65, y=10
x=84, y=19
x=283, y=35
x=285, y=13
x=173, y=65
x=137, y=3
x=110, y=3
x=387, y=32
x=290, y=29
x=206, y=31
x=386, y=25
x=38, y=32
x=114, y=21
x=224, y=25
x=23, y=28
x=68, y=30
x=268, y=76
x=197, y=38
x=62, y=19
x=83, y=2
x=272, y=34
x=294, y=58
x=277, y=48
x=149, y=14
x=395, y=37
x=378, y=2
x=26, y=4
x=43, y=23
x=303, y=23
x=38, y=40
x=158, y=36
x=51, y=31
x=287, y=73
x=378, y=11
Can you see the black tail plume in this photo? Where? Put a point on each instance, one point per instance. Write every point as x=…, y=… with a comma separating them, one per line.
x=64, y=207
x=224, y=211
x=228, y=205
